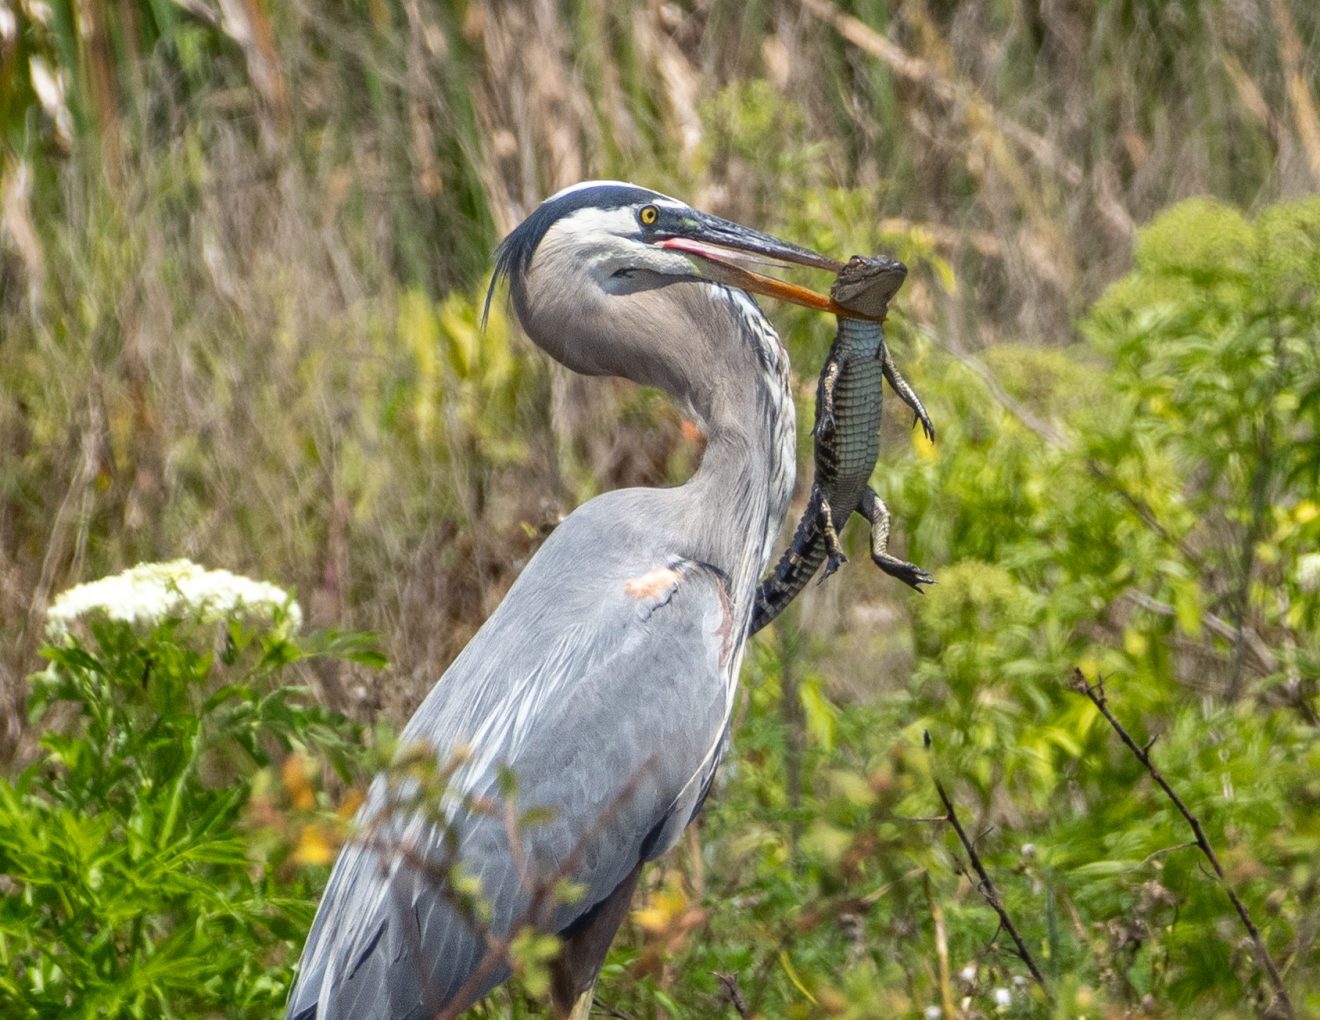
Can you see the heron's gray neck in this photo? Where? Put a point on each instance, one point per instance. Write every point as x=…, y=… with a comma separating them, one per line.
x=710, y=348
x=748, y=468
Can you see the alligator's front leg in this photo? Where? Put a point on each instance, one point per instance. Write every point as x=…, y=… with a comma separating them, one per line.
x=908, y=395
x=874, y=510
x=819, y=507
x=829, y=376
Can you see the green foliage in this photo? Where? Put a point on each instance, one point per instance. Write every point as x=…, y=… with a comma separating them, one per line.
x=1088, y=506
x=136, y=883
x=1097, y=506
x=240, y=271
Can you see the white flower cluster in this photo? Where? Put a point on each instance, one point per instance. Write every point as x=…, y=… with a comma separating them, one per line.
x=1308, y=572
x=151, y=592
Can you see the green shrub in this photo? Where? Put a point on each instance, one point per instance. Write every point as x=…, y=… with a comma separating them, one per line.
x=137, y=880
x=1108, y=506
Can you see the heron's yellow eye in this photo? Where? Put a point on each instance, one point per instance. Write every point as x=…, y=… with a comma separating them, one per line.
x=648, y=215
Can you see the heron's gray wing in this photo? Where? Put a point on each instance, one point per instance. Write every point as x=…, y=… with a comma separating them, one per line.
x=603, y=684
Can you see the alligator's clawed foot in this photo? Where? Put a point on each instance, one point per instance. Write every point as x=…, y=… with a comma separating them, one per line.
x=833, y=563
x=909, y=573
x=824, y=425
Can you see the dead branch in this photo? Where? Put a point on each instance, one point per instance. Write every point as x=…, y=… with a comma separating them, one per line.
x=499, y=949
x=729, y=983
x=986, y=886
x=1282, y=1005
x=437, y=871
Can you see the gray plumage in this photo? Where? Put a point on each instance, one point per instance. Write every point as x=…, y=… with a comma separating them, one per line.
x=604, y=680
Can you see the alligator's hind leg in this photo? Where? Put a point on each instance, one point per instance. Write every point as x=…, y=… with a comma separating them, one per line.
x=875, y=511
x=908, y=395
x=819, y=507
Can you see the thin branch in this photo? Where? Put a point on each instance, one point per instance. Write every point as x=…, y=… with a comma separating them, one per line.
x=729, y=983
x=1282, y=1005
x=986, y=886
x=1166, y=849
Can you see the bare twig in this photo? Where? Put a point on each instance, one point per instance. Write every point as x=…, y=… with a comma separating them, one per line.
x=729, y=983
x=498, y=949
x=1282, y=1005
x=1167, y=850
x=986, y=886
x=437, y=872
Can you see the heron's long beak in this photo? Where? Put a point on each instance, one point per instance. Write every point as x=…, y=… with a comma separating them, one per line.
x=718, y=243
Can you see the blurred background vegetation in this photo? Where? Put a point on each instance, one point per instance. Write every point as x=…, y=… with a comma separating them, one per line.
x=243, y=245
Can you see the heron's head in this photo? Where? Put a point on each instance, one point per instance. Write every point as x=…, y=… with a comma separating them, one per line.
x=592, y=273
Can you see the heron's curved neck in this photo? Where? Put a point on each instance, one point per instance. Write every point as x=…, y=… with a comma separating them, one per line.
x=741, y=491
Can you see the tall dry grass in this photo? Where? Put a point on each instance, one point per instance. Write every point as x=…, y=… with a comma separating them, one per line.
x=242, y=244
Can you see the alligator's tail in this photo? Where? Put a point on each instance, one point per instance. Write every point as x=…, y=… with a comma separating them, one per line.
x=795, y=568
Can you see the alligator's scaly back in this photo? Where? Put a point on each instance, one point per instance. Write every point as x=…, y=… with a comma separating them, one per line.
x=848, y=408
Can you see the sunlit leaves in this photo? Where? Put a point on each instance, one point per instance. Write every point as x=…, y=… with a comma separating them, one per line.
x=153, y=863
x=1086, y=506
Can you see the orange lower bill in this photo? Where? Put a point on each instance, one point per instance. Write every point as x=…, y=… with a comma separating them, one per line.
x=757, y=283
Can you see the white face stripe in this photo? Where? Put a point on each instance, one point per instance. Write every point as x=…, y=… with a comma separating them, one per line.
x=592, y=243
x=586, y=227
x=590, y=223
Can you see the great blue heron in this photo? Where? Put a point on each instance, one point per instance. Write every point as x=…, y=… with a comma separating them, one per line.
x=604, y=680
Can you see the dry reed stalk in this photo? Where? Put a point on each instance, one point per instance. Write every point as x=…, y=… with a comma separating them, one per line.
x=248, y=25
x=975, y=111
x=101, y=83
x=1292, y=56
x=1252, y=100
x=942, y=955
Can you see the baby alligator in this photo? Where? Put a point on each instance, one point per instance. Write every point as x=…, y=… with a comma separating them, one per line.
x=847, y=428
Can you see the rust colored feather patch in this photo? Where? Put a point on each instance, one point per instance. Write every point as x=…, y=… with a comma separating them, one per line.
x=652, y=585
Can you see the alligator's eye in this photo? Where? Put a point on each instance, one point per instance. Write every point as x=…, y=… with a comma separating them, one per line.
x=648, y=215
